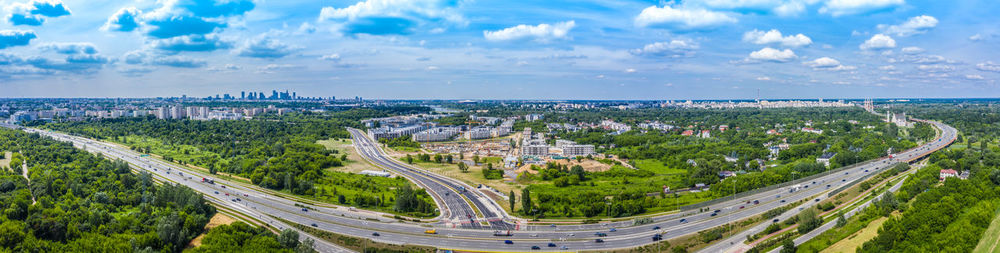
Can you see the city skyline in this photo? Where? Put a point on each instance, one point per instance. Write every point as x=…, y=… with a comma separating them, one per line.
x=380, y=49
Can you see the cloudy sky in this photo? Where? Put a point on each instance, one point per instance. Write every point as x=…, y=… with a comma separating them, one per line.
x=511, y=49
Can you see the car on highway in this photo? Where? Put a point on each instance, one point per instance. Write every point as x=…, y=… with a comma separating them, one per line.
x=564, y=247
x=714, y=214
x=718, y=210
x=599, y=234
x=683, y=220
x=775, y=221
x=782, y=201
x=431, y=231
x=656, y=228
x=216, y=192
x=314, y=225
x=536, y=247
x=552, y=245
x=376, y=234
x=508, y=242
x=598, y=240
x=305, y=209
x=657, y=237
x=613, y=230
x=755, y=202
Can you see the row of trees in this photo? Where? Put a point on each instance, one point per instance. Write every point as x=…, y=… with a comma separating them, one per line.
x=275, y=152
x=240, y=237
x=86, y=203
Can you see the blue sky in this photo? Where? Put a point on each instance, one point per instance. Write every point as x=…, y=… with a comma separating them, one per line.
x=559, y=49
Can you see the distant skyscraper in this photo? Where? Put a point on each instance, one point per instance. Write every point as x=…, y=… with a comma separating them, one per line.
x=243, y=95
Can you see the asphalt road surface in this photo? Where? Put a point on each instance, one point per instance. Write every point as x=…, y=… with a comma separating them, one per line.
x=262, y=204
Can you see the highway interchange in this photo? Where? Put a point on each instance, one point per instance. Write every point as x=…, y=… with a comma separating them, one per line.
x=461, y=227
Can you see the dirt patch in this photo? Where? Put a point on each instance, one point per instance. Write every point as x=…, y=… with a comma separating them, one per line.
x=588, y=165
x=218, y=220
x=354, y=163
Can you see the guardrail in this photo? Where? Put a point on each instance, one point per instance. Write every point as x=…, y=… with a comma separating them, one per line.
x=797, y=181
x=769, y=188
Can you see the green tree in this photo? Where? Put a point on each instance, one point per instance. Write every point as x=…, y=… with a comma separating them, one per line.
x=511, y=199
x=526, y=206
x=288, y=238
x=788, y=246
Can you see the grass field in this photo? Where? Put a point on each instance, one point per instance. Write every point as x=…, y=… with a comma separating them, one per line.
x=354, y=162
x=657, y=167
x=5, y=162
x=851, y=243
x=990, y=241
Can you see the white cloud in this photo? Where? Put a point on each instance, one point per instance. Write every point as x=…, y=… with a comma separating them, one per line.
x=681, y=18
x=915, y=25
x=630, y=70
x=827, y=63
x=774, y=55
x=974, y=77
x=381, y=8
x=763, y=78
x=225, y=68
x=674, y=48
x=430, y=68
x=988, y=66
x=887, y=67
x=386, y=17
x=850, y=7
x=541, y=32
x=878, y=42
x=976, y=37
x=774, y=36
x=70, y=48
x=330, y=57
x=937, y=68
x=273, y=68
x=912, y=50
x=931, y=59
x=779, y=7
x=263, y=47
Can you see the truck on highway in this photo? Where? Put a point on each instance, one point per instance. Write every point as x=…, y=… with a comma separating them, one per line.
x=207, y=180
x=431, y=231
x=501, y=233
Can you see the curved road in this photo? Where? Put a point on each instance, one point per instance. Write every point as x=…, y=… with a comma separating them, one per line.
x=461, y=227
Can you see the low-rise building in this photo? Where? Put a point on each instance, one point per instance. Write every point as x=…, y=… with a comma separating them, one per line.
x=946, y=173
x=825, y=158
x=479, y=133
x=436, y=134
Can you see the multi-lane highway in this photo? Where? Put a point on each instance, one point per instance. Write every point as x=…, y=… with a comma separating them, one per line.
x=459, y=200
x=469, y=218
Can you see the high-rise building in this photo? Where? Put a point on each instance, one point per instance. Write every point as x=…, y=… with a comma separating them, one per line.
x=243, y=95
x=176, y=112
